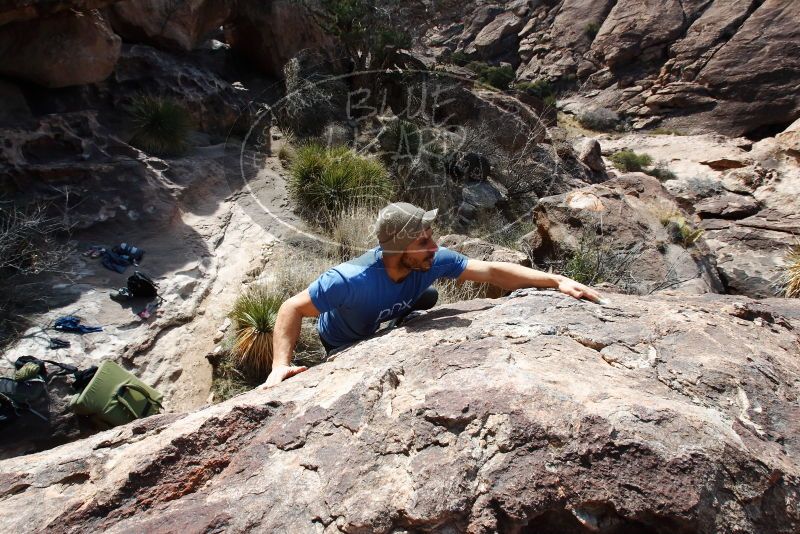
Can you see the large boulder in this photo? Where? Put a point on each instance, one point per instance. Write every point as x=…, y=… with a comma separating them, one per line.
x=165, y=23
x=14, y=10
x=755, y=74
x=539, y=413
x=750, y=253
x=626, y=232
x=70, y=48
x=498, y=36
x=635, y=27
x=745, y=194
x=790, y=139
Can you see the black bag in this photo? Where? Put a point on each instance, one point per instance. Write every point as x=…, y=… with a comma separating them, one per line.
x=142, y=286
x=139, y=286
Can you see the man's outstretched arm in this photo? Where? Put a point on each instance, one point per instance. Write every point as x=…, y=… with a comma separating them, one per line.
x=285, y=334
x=512, y=276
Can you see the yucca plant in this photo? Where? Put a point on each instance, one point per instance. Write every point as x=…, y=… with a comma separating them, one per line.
x=325, y=181
x=254, y=315
x=792, y=275
x=161, y=126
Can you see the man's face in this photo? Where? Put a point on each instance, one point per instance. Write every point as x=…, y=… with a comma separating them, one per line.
x=418, y=255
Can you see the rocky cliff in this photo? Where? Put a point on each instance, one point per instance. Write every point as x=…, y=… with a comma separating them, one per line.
x=535, y=413
x=722, y=65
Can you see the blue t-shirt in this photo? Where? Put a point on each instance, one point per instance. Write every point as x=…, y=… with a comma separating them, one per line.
x=355, y=297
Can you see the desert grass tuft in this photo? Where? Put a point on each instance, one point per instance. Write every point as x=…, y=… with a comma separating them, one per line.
x=325, y=181
x=792, y=274
x=161, y=126
x=254, y=315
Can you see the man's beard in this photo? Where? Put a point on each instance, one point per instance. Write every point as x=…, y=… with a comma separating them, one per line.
x=417, y=265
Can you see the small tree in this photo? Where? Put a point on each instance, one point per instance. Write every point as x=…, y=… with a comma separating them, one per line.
x=365, y=28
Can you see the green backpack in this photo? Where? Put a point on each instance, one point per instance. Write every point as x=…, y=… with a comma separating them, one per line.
x=114, y=397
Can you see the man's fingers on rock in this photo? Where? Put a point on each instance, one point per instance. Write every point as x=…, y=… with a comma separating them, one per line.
x=295, y=370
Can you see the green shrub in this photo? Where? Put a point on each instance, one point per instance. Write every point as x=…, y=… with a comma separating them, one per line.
x=792, y=275
x=391, y=38
x=661, y=172
x=364, y=28
x=459, y=58
x=324, y=181
x=161, y=126
x=497, y=77
x=591, y=29
x=402, y=137
x=595, y=260
x=541, y=88
x=254, y=315
x=689, y=234
x=629, y=161
x=285, y=154
x=585, y=265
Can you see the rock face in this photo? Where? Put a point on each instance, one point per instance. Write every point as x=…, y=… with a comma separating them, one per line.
x=727, y=65
x=35, y=50
x=215, y=105
x=271, y=35
x=618, y=232
x=72, y=161
x=531, y=414
x=745, y=195
x=178, y=26
x=13, y=10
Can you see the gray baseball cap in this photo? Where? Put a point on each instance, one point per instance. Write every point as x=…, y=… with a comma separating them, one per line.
x=400, y=223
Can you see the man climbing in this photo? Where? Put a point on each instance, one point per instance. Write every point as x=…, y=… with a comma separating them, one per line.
x=390, y=281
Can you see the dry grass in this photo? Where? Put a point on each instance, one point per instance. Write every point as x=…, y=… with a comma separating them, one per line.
x=669, y=215
x=287, y=151
x=353, y=232
x=451, y=291
x=792, y=274
x=289, y=272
